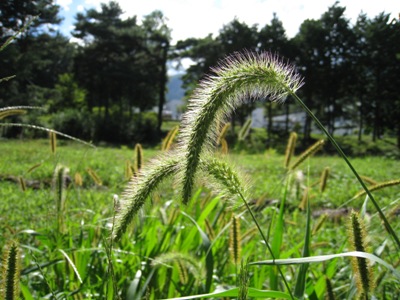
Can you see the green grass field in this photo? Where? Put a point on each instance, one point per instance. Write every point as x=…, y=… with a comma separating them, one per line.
x=175, y=250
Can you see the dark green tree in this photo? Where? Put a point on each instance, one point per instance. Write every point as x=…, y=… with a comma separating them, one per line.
x=37, y=56
x=272, y=37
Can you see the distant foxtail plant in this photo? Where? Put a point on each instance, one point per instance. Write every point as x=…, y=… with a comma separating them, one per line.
x=307, y=153
x=379, y=186
x=60, y=194
x=53, y=142
x=11, y=270
x=140, y=188
x=245, y=130
x=138, y=157
x=169, y=139
x=361, y=268
x=237, y=79
x=324, y=179
x=235, y=240
x=223, y=132
x=290, y=148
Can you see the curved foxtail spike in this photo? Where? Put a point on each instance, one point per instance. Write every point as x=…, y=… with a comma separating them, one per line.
x=11, y=270
x=239, y=78
x=140, y=188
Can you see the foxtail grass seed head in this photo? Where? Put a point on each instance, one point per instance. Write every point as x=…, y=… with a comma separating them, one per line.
x=244, y=280
x=224, y=146
x=11, y=112
x=60, y=193
x=22, y=183
x=223, y=132
x=78, y=179
x=361, y=268
x=138, y=157
x=324, y=179
x=378, y=186
x=308, y=153
x=128, y=170
x=186, y=263
x=53, y=142
x=169, y=139
x=245, y=130
x=369, y=180
x=224, y=176
x=290, y=148
x=140, y=188
x=97, y=180
x=11, y=269
x=239, y=78
x=235, y=240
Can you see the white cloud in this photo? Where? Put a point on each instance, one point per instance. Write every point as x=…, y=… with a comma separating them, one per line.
x=194, y=18
x=64, y=4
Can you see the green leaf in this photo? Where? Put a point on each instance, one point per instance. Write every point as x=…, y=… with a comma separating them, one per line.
x=321, y=258
x=301, y=278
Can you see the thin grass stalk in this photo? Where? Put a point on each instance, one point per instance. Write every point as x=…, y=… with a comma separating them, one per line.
x=11, y=269
x=343, y=155
x=278, y=236
x=229, y=179
x=47, y=130
x=302, y=276
x=290, y=148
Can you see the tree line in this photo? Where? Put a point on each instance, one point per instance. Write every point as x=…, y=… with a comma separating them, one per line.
x=103, y=88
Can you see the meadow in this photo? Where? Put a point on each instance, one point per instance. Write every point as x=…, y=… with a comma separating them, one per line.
x=194, y=219
x=175, y=250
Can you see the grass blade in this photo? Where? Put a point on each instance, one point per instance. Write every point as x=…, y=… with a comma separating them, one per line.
x=321, y=258
x=252, y=292
x=301, y=278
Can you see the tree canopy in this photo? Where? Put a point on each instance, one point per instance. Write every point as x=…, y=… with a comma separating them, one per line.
x=114, y=78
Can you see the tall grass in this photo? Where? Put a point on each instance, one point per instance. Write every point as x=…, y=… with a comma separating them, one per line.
x=160, y=248
x=237, y=79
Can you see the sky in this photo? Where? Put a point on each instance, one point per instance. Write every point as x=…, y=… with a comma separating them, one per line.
x=198, y=18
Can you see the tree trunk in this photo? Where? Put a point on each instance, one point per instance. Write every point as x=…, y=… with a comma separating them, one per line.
x=162, y=86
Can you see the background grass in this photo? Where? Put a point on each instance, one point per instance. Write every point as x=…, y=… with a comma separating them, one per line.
x=29, y=216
